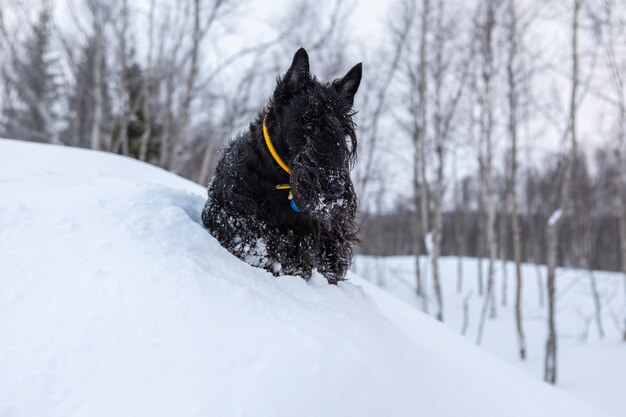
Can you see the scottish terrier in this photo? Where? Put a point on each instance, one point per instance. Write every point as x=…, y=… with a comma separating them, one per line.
x=281, y=198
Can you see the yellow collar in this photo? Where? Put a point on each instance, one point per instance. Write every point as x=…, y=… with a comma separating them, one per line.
x=270, y=146
x=279, y=161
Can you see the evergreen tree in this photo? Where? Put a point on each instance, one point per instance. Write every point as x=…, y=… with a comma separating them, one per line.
x=81, y=101
x=36, y=80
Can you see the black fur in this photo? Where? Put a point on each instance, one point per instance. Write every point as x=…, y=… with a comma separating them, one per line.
x=311, y=127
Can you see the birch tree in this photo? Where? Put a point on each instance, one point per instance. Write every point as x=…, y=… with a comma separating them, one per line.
x=147, y=87
x=196, y=39
x=513, y=98
x=401, y=29
x=453, y=74
x=486, y=34
x=459, y=221
x=612, y=34
x=198, y=34
x=558, y=216
x=98, y=39
x=419, y=163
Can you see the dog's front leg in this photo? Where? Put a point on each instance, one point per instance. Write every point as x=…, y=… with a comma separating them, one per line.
x=293, y=253
x=334, y=258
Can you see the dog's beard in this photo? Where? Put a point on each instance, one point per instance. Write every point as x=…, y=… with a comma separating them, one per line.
x=309, y=182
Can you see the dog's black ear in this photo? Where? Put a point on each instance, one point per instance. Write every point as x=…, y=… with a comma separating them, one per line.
x=347, y=86
x=299, y=70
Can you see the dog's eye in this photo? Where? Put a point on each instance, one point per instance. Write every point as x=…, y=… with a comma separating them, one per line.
x=309, y=127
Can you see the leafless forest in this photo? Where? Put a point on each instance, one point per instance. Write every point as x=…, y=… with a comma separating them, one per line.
x=492, y=129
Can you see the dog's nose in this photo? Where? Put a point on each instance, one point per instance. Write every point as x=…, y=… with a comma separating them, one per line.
x=336, y=190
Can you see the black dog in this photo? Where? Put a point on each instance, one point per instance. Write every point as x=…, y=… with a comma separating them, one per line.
x=282, y=198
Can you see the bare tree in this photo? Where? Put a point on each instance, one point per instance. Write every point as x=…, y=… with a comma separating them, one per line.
x=443, y=70
x=612, y=24
x=377, y=96
x=419, y=163
x=95, y=140
x=486, y=36
x=128, y=106
x=557, y=217
x=190, y=84
x=401, y=33
x=198, y=34
x=502, y=234
x=513, y=96
x=476, y=127
x=169, y=57
x=621, y=187
x=459, y=222
x=147, y=86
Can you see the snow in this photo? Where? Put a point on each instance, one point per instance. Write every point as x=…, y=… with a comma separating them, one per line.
x=589, y=367
x=114, y=301
x=555, y=217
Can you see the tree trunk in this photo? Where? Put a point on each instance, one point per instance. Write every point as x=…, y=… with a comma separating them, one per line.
x=517, y=241
x=128, y=107
x=422, y=90
x=421, y=195
x=489, y=300
x=481, y=227
x=617, y=75
x=96, y=127
x=458, y=226
x=437, y=232
x=176, y=157
x=147, y=126
x=621, y=187
x=502, y=246
x=596, y=303
x=168, y=121
x=440, y=138
x=465, y=324
x=147, y=84
x=621, y=180
x=550, y=363
x=553, y=241
x=621, y=192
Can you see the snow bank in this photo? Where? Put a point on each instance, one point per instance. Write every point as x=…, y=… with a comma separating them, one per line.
x=114, y=301
x=590, y=367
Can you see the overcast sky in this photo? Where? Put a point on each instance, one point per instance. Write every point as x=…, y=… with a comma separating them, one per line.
x=549, y=38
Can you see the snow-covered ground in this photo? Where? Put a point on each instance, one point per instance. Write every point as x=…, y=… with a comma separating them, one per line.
x=590, y=367
x=114, y=301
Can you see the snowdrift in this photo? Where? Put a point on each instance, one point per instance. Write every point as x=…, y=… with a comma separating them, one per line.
x=114, y=301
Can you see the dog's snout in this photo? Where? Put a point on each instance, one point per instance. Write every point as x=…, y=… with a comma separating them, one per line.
x=336, y=190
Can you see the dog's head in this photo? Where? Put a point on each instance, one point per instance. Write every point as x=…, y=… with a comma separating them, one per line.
x=313, y=131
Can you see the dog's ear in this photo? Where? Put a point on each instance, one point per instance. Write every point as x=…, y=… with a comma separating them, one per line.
x=347, y=86
x=299, y=70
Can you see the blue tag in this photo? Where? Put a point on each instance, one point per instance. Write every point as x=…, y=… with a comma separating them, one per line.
x=293, y=206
